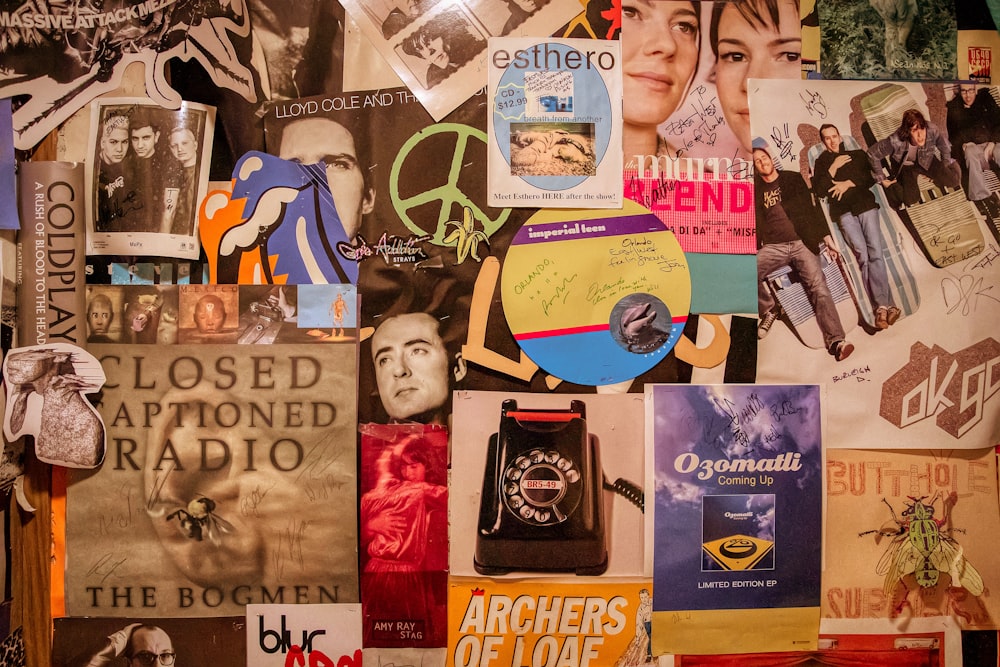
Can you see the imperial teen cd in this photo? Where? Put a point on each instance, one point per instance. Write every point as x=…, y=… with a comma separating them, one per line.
x=596, y=297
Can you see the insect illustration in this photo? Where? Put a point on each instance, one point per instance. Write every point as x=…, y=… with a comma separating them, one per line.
x=922, y=548
x=199, y=520
x=466, y=237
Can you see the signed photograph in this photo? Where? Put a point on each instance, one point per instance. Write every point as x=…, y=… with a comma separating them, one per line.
x=147, y=175
x=881, y=281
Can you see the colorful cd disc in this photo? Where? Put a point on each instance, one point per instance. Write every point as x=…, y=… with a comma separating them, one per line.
x=596, y=297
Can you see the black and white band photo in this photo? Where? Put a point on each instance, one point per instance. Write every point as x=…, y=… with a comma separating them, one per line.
x=148, y=173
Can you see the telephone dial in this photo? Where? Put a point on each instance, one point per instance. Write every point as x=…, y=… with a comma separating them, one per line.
x=542, y=506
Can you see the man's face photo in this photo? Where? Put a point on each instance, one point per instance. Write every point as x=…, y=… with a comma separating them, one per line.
x=762, y=163
x=100, y=315
x=751, y=50
x=968, y=93
x=184, y=147
x=114, y=140
x=322, y=140
x=411, y=365
x=831, y=139
x=151, y=647
x=144, y=141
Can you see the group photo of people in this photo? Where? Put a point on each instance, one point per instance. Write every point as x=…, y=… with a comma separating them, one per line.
x=865, y=214
x=146, y=167
x=685, y=67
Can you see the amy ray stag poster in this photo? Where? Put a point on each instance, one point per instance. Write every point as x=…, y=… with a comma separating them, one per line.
x=229, y=480
x=737, y=517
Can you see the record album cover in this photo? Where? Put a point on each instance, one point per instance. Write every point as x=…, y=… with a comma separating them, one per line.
x=738, y=483
x=230, y=479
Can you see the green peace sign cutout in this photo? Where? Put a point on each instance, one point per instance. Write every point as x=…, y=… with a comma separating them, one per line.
x=449, y=193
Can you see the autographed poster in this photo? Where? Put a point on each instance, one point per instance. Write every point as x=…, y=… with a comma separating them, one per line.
x=913, y=285
x=147, y=173
x=63, y=55
x=230, y=479
x=738, y=479
x=910, y=534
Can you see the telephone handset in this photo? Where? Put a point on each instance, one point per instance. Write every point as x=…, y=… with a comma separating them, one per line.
x=541, y=505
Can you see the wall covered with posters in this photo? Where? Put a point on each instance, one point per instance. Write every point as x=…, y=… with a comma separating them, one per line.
x=332, y=336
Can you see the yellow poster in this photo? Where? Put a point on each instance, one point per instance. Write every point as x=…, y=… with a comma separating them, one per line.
x=532, y=623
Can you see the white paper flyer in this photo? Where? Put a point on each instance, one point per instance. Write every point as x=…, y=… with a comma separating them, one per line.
x=556, y=123
x=298, y=634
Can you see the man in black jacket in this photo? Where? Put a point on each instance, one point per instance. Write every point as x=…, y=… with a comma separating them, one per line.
x=789, y=227
x=974, y=130
x=844, y=177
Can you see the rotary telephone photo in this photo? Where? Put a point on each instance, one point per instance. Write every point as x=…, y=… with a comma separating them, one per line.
x=542, y=506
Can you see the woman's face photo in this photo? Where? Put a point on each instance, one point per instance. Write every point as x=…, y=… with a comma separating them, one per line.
x=413, y=470
x=754, y=51
x=433, y=52
x=660, y=52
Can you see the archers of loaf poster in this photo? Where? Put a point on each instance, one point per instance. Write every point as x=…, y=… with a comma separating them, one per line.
x=537, y=623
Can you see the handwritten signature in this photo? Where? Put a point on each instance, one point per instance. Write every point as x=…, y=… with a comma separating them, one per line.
x=860, y=373
x=703, y=121
x=560, y=293
x=122, y=519
x=814, y=103
x=962, y=293
x=249, y=505
x=990, y=255
x=106, y=565
x=740, y=415
x=289, y=547
x=779, y=135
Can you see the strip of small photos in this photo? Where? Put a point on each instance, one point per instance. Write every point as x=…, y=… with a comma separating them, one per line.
x=222, y=314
